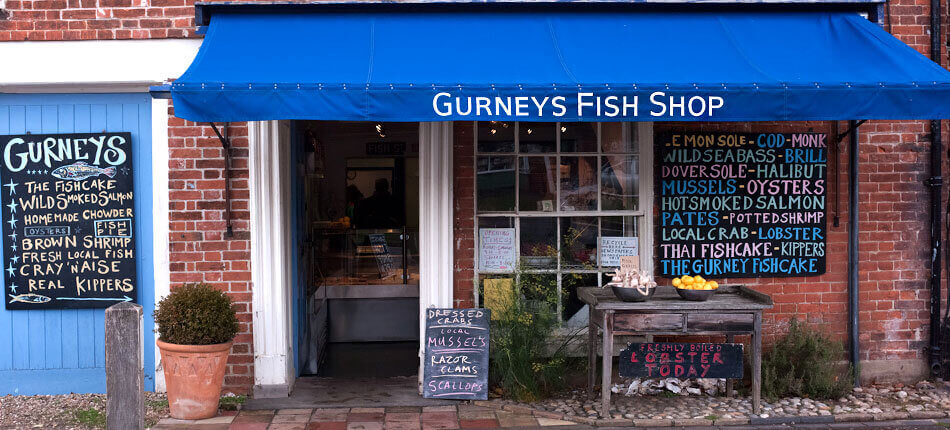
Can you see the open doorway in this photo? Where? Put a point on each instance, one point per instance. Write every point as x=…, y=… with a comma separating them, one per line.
x=356, y=197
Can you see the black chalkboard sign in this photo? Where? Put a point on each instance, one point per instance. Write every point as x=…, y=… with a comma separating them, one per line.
x=456, y=359
x=384, y=259
x=681, y=360
x=68, y=220
x=742, y=204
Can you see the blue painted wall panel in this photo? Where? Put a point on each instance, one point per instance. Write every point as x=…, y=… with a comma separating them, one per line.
x=63, y=351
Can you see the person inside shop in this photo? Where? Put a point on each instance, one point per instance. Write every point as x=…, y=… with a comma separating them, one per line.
x=353, y=198
x=376, y=211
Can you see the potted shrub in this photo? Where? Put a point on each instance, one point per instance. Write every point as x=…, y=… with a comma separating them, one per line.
x=196, y=325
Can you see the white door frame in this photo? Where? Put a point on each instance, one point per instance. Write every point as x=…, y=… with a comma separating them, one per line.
x=269, y=183
x=436, y=227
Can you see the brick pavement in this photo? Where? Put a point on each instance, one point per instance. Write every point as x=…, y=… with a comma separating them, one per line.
x=394, y=418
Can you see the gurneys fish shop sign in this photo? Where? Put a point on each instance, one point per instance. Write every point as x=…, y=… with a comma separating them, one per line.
x=68, y=220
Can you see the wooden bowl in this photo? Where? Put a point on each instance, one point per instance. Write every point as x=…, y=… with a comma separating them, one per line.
x=695, y=295
x=632, y=294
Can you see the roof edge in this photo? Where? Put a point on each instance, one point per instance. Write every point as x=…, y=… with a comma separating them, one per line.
x=204, y=10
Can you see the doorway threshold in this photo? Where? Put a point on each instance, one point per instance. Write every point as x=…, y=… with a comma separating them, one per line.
x=318, y=392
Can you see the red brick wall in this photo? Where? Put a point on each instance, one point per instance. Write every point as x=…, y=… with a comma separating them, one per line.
x=97, y=19
x=894, y=224
x=894, y=242
x=199, y=249
x=464, y=201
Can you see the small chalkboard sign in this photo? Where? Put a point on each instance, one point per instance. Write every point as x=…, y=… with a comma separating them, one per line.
x=456, y=359
x=68, y=220
x=384, y=260
x=681, y=360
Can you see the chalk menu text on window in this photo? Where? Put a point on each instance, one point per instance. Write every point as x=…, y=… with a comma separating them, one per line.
x=742, y=205
x=68, y=220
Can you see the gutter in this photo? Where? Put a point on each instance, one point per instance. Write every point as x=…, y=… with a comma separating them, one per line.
x=935, y=182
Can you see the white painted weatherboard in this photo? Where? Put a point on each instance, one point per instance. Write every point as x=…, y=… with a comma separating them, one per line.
x=94, y=65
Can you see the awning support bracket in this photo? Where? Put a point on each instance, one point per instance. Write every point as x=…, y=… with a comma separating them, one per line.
x=847, y=132
x=226, y=146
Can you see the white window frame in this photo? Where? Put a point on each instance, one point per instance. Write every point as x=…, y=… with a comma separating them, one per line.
x=644, y=213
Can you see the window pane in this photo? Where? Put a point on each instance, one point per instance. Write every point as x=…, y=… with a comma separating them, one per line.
x=578, y=137
x=539, y=243
x=579, y=242
x=572, y=309
x=496, y=183
x=540, y=289
x=619, y=226
x=536, y=183
x=612, y=134
x=496, y=292
x=496, y=222
x=620, y=182
x=578, y=183
x=537, y=136
x=496, y=136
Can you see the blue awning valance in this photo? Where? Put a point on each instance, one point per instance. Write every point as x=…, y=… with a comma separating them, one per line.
x=557, y=65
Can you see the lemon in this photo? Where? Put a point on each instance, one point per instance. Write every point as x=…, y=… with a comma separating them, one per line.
x=714, y=285
x=700, y=279
x=677, y=282
x=687, y=279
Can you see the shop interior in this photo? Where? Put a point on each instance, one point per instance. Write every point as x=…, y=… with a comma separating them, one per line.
x=357, y=205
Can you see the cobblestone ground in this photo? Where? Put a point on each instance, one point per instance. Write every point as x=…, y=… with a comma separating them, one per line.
x=925, y=400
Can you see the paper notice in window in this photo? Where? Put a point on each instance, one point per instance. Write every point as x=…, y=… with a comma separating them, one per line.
x=613, y=247
x=496, y=249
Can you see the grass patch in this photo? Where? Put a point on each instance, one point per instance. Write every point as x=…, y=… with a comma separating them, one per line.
x=712, y=417
x=91, y=417
x=668, y=394
x=157, y=404
x=231, y=403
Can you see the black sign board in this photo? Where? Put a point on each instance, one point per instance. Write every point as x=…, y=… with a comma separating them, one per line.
x=384, y=259
x=68, y=220
x=456, y=359
x=742, y=204
x=681, y=360
x=386, y=148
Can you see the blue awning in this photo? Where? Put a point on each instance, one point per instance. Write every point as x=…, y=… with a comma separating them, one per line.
x=557, y=65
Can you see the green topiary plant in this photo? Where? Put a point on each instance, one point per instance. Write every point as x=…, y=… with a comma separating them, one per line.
x=196, y=314
x=805, y=363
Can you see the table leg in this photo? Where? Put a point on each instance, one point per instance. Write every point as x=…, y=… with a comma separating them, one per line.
x=591, y=350
x=730, y=383
x=607, y=360
x=757, y=362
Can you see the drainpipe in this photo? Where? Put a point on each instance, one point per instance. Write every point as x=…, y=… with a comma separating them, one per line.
x=936, y=189
x=853, y=250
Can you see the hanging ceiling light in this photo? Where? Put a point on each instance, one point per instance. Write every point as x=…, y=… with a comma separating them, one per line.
x=530, y=131
x=563, y=129
x=380, y=130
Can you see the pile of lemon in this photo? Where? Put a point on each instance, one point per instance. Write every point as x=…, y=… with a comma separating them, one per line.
x=694, y=283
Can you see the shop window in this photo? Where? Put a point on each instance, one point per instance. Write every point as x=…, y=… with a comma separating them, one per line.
x=556, y=204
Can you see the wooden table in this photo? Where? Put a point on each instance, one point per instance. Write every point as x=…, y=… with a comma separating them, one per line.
x=733, y=310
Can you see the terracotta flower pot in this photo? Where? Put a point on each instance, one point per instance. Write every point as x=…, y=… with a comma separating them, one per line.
x=193, y=378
